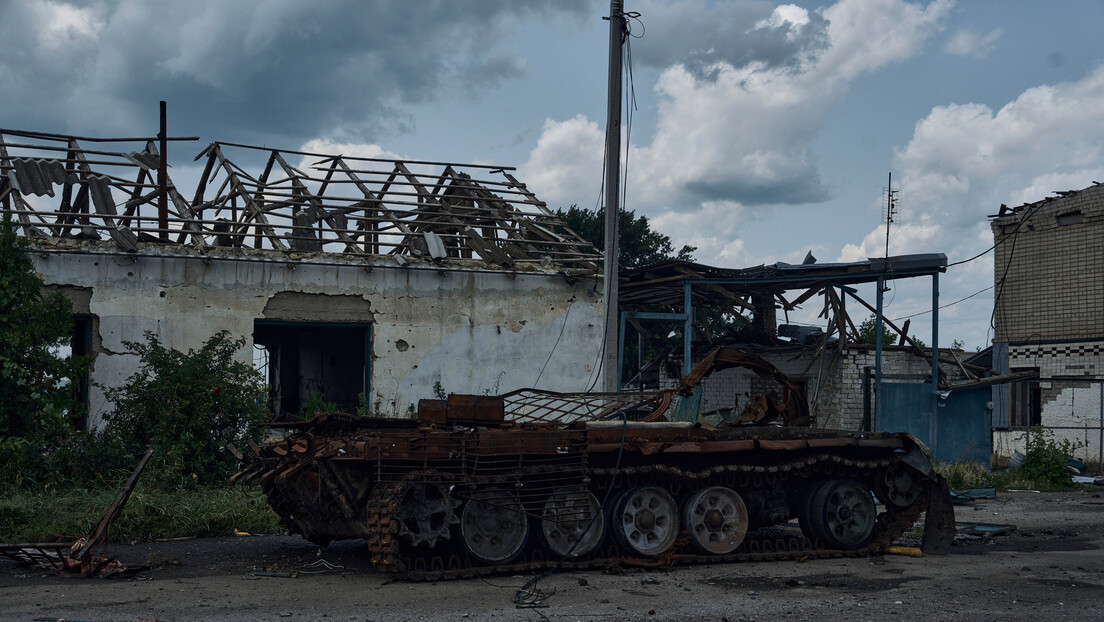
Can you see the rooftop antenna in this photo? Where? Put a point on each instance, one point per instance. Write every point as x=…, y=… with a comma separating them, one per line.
x=891, y=211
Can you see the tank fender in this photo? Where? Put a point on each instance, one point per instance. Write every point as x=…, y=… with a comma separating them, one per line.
x=939, y=522
x=916, y=459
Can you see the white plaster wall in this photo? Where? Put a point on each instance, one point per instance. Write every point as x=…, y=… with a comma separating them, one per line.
x=1075, y=407
x=471, y=331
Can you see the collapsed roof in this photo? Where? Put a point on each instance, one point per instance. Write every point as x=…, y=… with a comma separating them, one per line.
x=296, y=202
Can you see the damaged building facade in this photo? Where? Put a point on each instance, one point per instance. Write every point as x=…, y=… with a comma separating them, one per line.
x=356, y=282
x=1049, y=319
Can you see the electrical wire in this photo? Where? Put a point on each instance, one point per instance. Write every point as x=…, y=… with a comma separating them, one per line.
x=949, y=304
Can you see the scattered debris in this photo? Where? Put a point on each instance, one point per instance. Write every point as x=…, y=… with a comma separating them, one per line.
x=911, y=551
x=960, y=497
x=984, y=530
x=319, y=566
x=72, y=557
x=1085, y=479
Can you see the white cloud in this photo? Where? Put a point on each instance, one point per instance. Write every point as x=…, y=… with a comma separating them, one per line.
x=733, y=137
x=782, y=14
x=565, y=166
x=61, y=25
x=969, y=43
x=325, y=146
x=964, y=160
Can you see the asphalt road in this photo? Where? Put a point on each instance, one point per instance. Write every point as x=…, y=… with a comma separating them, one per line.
x=1050, y=568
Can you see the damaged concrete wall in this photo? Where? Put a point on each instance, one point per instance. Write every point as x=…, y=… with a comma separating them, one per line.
x=467, y=330
x=1072, y=411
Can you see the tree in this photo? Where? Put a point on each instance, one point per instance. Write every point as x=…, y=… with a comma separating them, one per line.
x=639, y=244
x=36, y=383
x=867, y=332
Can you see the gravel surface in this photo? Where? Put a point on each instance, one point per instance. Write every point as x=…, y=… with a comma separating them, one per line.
x=1050, y=568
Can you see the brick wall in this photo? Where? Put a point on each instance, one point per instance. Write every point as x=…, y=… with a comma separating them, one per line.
x=1049, y=269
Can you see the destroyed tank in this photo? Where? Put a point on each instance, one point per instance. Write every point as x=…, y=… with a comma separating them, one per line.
x=536, y=479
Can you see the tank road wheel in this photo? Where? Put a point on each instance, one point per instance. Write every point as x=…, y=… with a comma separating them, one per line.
x=645, y=520
x=805, y=509
x=842, y=514
x=573, y=522
x=493, y=526
x=426, y=513
x=899, y=486
x=717, y=520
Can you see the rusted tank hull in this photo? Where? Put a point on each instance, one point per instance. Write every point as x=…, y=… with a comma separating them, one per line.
x=435, y=500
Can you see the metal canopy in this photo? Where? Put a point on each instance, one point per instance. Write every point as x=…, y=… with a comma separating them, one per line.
x=682, y=283
x=664, y=283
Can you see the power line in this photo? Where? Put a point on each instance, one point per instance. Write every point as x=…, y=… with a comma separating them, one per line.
x=949, y=304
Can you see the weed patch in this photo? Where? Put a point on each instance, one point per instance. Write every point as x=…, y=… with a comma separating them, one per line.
x=150, y=514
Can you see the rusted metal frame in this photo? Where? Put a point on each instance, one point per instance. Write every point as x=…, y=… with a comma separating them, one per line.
x=98, y=536
x=337, y=487
x=254, y=210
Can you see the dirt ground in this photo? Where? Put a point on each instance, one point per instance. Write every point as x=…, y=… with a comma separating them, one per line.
x=1050, y=568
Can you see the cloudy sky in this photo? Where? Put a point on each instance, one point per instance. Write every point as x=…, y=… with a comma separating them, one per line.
x=761, y=131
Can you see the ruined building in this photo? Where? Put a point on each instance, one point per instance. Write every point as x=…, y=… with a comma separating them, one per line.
x=355, y=280
x=1049, y=316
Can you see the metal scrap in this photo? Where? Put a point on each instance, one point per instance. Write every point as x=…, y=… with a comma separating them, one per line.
x=72, y=557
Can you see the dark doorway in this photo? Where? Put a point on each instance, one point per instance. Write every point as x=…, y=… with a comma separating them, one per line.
x=320, y=363
x=81, y=345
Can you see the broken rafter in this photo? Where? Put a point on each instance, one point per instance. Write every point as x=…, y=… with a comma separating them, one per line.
x=253, y=206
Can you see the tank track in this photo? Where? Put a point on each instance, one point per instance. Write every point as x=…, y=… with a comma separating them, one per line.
x=391, y=555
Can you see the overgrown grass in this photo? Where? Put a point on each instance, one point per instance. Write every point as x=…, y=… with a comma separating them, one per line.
x=150, y=514
x=965, y=475
x=1043, y=468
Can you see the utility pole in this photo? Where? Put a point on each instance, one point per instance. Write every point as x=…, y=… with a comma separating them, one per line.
x=613, y=196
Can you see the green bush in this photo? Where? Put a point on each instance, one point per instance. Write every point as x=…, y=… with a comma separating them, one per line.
x=1046, y=460
x=187, y=407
